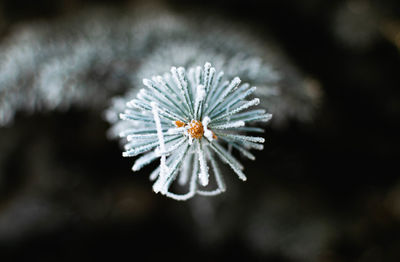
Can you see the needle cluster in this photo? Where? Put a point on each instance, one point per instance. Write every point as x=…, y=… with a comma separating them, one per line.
x=187, y=119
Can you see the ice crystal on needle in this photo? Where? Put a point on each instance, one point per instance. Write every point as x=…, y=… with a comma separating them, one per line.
x=186, y=120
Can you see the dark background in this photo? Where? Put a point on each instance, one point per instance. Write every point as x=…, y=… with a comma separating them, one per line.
x=322, y=191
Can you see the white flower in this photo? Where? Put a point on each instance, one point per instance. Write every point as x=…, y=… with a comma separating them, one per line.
x=186, y=120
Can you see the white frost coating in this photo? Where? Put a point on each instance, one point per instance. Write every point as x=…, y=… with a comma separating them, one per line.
x=207, y=132
x=141, y=136
x=218, y=177
x=147, y=83
x=229, y=125
x=254, y=139
x=200, y=95
x=169, y=112
x=170, y=149
x=266, y=118
x=253, y=102
x=141, y=149
x=163, y=165
x=144, y=160
x=203, y=175
x=192, y=186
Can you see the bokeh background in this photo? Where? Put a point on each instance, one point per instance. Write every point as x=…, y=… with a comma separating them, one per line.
x=325, y=190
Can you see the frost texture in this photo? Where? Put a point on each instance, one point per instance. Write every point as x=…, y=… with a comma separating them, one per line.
x=185, y=118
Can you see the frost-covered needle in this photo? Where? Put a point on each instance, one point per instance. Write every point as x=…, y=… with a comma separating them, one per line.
x=187, y=121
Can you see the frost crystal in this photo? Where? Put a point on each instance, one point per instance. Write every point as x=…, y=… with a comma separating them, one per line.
x=185, y=119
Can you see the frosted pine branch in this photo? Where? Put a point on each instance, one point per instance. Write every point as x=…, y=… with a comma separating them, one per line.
x=188, y=125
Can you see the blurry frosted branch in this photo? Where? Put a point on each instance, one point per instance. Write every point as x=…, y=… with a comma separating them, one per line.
x=48, y=66
x=84, y=59
x=78, y=60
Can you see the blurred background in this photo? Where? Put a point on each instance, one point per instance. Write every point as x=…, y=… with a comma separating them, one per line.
x=321, y=190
